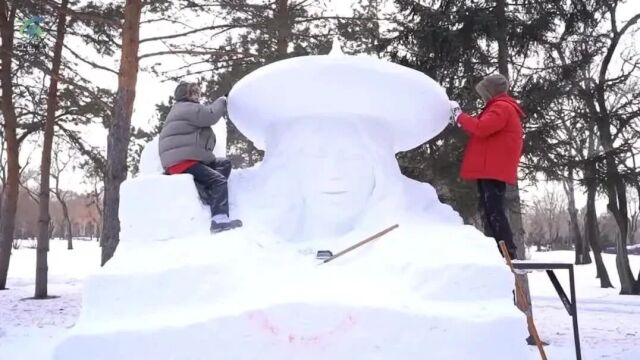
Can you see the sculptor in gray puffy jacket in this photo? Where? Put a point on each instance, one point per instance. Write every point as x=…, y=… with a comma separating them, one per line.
x=187, y=133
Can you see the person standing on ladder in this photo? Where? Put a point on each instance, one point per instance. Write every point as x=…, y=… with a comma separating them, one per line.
x=493, y=152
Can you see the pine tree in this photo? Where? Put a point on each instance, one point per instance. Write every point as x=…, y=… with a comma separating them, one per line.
x=41, y=291
x=119, y=130
x=8, y=11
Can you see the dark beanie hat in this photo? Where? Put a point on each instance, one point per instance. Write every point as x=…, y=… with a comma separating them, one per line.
x=491, y=86
x=186, y=91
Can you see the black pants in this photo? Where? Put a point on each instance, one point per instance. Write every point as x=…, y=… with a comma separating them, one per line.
x=494, y=217
x=211, y=181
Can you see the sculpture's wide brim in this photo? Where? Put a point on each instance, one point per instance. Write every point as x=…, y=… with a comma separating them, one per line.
x=412, y=106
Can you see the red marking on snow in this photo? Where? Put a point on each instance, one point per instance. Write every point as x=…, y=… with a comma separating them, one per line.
x=263, y=322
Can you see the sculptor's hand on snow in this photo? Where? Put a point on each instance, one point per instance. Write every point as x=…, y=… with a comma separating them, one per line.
x=221, y=102
x=455, y=112
x=219, y=107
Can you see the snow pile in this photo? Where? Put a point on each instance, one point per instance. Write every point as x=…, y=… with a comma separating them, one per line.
x=149, y=160
x=232, y=297
x=29, y=329
x=432, y=288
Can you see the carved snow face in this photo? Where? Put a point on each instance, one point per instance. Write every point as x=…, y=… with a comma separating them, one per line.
x=335, y=174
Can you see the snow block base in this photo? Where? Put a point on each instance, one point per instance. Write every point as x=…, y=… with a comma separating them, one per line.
x=160, y=207
x=331, y=332
x=227, y=300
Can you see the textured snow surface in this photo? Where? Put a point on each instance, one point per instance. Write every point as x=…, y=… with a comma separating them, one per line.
x=29, y=329
x=169, y=206
x=411, y=107
x=243, y=296
x=328, y=180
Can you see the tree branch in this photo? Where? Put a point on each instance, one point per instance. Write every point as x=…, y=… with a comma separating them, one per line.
x=187, y=52
x=83, y=16
x=97, y=66
x=613, y=46
x=186, y=33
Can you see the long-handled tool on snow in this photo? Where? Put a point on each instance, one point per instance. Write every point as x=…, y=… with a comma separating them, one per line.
x=522, y=303
x=324, y=253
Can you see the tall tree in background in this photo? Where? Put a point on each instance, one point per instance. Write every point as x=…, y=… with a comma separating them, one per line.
x=10, y=191
x=442, y=40
x=592, y=231
x=364, y=31
x=562, y=138
x=605, y=116
x=45, y=164
x=119, y=130
x=513, y=192
x=457, y=43
x=21, y=109
x=597, y=88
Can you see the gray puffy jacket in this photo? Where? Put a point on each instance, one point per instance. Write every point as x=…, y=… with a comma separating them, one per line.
x=187, y=133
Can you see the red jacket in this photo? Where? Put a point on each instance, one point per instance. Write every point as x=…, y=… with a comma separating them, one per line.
x=494, y=149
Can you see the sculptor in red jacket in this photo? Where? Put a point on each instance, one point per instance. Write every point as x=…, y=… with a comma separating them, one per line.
x=495, y=142
x=493, y=152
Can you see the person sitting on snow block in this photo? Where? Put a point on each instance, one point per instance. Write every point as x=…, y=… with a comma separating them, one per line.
x=186, y=146
x=493, y=153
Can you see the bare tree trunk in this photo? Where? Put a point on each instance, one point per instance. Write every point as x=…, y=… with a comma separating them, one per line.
x=284, y=28
x=591, y=232
x=637, y=286
x=42, y=267
x=3, y=179
x=501, y=37
x=67, y=221
x=513, y=192
x=581, y=247
x=614, y=184
x=52, y=229
x=119, y=131
x=10, y=200
x=617, y=195
x=66, y=218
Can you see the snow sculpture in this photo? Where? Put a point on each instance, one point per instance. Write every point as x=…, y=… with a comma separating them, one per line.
x=330, y=132
x=330, y=125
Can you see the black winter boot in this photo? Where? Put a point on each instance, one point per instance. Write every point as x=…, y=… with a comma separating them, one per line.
x=219, y=226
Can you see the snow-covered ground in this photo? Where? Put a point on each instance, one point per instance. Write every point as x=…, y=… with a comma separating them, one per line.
x=609, y=323
x=30, y=328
